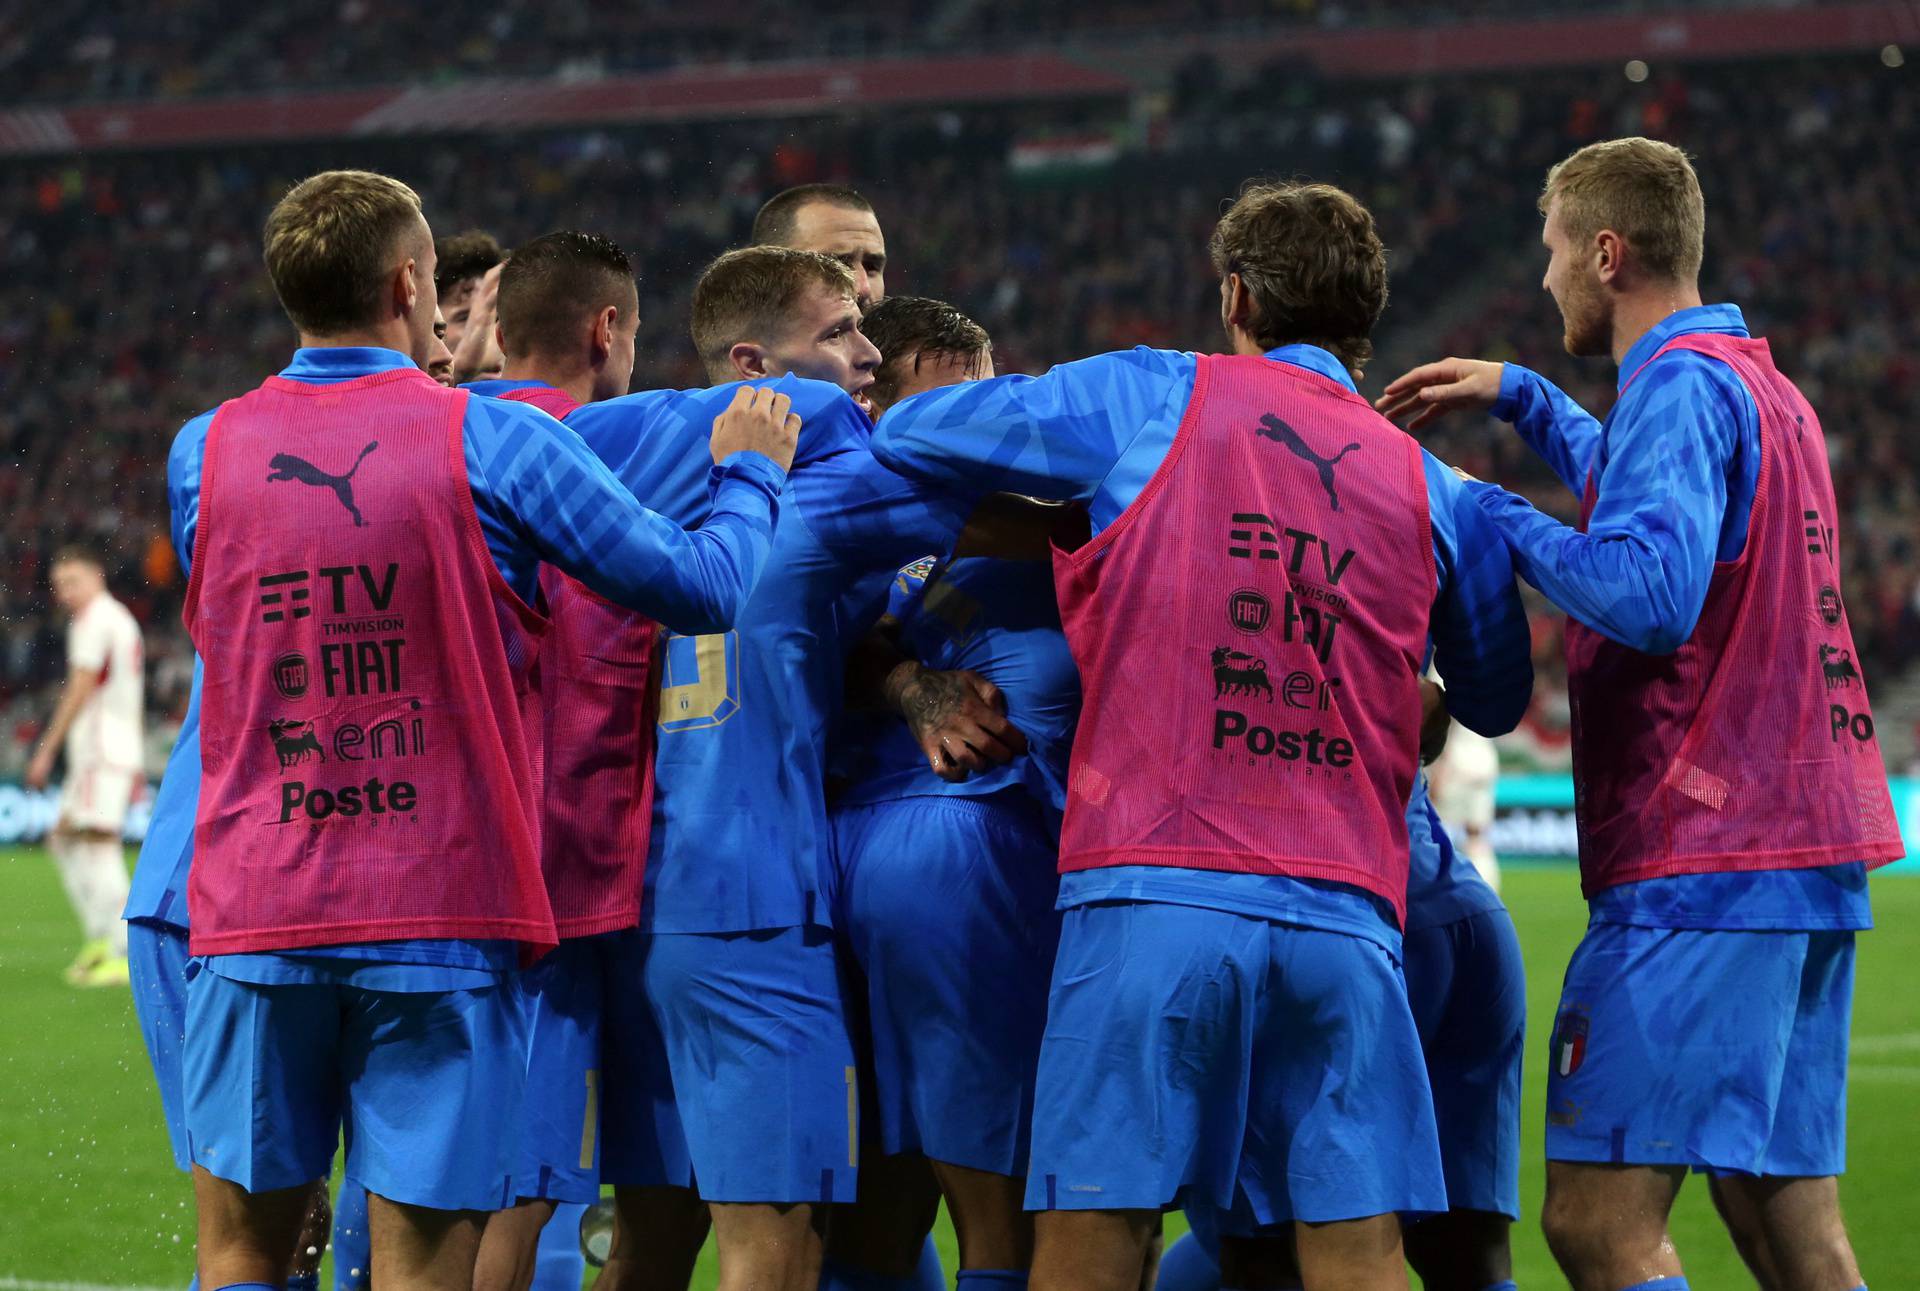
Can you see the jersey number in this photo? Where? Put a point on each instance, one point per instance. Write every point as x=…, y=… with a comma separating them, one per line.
x=699, y=681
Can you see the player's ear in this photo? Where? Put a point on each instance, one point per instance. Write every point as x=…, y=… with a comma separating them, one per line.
x=500, y=337
x=1234, y=300
x=601, y=341
x=406, y=289
x=1608, y=254
x=750, y=361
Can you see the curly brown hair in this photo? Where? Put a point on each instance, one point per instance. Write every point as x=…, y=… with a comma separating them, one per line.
x=1312, y=263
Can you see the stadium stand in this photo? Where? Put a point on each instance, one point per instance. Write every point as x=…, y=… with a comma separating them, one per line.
x=124, y=49
x=131, y=297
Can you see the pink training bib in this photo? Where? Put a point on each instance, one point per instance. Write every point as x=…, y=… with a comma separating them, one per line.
x=366, y=767
x=599, y=698
x=1752, y=746
x=1250, y=631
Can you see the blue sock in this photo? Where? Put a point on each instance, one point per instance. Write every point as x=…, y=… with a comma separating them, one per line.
x=1501, y=1286
x=1188, y=1266
x=249, y=1286
x=990, y=1280
x=1659, y=1284
x=352, y=1245
x=194, y=1283
x=930, y=1276
x=835, y=1276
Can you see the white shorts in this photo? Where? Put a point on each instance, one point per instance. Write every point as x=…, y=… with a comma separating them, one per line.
x=96, y=797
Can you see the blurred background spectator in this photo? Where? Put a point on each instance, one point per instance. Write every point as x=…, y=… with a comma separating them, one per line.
x=131, y=295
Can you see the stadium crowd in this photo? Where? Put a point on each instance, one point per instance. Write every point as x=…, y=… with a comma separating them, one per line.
x=751, y=795
x=130, y=294
x=124, y=49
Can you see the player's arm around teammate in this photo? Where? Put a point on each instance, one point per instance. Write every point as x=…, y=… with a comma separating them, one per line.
x=1704, y=1018
x=354, y=978
x=1242, y=562
x=930, y=820
x=738, y=1029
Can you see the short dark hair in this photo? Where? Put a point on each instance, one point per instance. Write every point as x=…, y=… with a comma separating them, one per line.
x=773, y=226
x=330, y=243
x=746, y=294
x=553, y=283
x=906, y=328
x=460, y=256
x=1313, y=265
x=78, y=553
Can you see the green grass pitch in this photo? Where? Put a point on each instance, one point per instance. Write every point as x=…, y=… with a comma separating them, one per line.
x=88, y=1193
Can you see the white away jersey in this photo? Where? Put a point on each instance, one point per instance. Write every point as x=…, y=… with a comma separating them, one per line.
x=104, y=640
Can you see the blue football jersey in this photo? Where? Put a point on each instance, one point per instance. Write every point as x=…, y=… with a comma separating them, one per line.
x=998, y=618
x=1097, y=431
x=159, y=890
x=1442, y=885
x=538, y=496
x=739, y=816
x=1676, y=465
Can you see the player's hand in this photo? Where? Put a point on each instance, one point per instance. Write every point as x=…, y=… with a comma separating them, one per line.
x=1434, y=389
x=40, y=769
x=479, y=353
x=759, y=420
x=1434, y=721
x=959, y=719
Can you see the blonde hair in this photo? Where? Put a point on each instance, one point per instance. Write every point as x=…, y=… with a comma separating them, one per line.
x=1642, y=189
x=330, y=244
x=746, y=295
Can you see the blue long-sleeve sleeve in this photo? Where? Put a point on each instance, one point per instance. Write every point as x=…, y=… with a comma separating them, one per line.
x=542, y=495
x=654, y=442
x=1481, y=641
x=1639, y=574
x=1091, y=431
x=567, y=509
x=1564, y=434
x=183, y=485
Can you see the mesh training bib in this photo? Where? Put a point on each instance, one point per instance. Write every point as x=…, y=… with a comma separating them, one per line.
x=1249, y=635
x=366, y=765
x=1752, y=746
x=599, y=702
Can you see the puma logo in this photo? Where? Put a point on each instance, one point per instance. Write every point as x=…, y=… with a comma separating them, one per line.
x=285, y=466
x=1271, y=427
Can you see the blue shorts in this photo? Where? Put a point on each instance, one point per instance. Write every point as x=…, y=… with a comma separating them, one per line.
x=157, y=964
x=731, y=1067
x=562, y=996
x=1723, y=1051
x=1210, y=1058
x=1467, y=985
x=946, y=905
x=427, y=1086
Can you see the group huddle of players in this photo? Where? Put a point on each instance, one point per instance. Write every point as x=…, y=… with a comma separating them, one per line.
x=870, y=779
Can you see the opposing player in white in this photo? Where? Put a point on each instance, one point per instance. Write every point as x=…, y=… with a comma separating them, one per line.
x=1464, y=781
x=99, y=719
